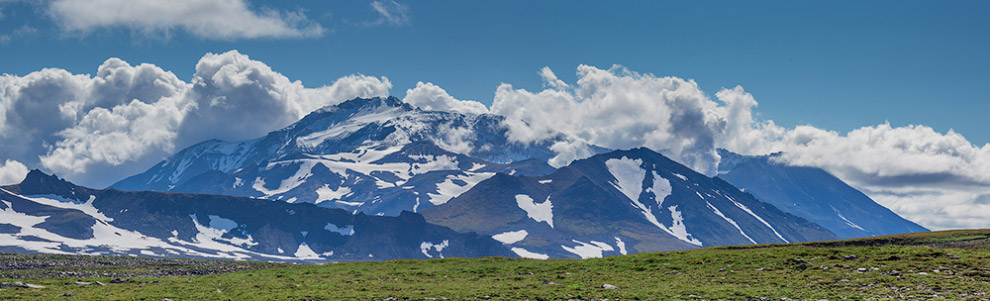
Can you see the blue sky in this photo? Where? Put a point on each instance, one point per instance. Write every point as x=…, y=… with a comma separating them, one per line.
x=867, y=90
x=833, y=64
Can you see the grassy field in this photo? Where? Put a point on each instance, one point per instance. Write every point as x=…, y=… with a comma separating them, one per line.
x=937, y=265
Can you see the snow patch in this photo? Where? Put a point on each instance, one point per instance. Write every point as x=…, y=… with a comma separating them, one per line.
x=588, y=250
x=305, y=252
x=432, y=163
x=542, y=212
x=621, y=244
x=510, y=237
x=678, y=227
x=629, y=176
x=324, y=193
x=731, y=221
x=448, y=189
x=211, y=236
x=476, y=166
x=347, y=230
x=426, y=246
x=661, y=189
x=352, y=204
x=765, y=223
x=848, y=222
x=527, y=254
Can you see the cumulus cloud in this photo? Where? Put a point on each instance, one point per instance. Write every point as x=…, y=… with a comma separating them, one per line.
x=550, y=79
x=12, y=172
x=98, y=129
x=209, y=19
x=390, y=12
x=428, y=96
x=616, y=108
x=237, y=98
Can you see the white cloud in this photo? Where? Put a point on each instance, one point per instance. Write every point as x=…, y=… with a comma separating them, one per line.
x=550, y=79
x=391, y=12
x=209, y=19
x=617, y=108
x=238, y=98
x=98, y=129
x=12, y=172
x=431, y=97
x=455, y=139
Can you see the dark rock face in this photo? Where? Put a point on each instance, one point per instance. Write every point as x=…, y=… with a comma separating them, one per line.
x=813, y=194
x=49, y=215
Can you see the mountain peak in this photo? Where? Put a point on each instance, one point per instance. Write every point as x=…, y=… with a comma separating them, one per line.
x=36, y=176
x=376, y=101
x=38, y=182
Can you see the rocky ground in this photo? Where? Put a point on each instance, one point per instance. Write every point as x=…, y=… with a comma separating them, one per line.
x=16, y=266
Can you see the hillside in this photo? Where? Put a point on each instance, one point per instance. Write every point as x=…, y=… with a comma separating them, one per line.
x=46, y=214
x=620, y=202
x=949, y=264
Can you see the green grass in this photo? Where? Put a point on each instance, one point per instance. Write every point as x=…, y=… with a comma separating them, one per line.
x=950, y=265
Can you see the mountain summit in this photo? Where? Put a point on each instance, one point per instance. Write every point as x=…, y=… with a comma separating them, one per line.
x=379, y=156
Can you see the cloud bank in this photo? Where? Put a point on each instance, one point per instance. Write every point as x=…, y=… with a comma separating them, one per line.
x=97, y=129
x=208, y=19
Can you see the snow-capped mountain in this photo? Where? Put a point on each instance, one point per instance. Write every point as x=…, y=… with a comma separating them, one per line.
x=378, y=156
x=618, y=203
x=814, y=194
x=45, y=214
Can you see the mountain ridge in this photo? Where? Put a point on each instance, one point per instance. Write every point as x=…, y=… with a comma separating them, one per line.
x=587, y=209
x=45, y=214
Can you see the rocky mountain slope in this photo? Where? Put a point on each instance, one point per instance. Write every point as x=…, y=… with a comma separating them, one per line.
x=45, y=214
x=620, y=202
x=814, y=194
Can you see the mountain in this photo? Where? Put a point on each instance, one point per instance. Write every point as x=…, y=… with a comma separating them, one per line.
x=45, y=214
x=378, y=156
x=620, y=202
x=814, y=194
